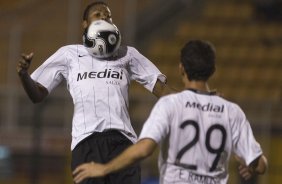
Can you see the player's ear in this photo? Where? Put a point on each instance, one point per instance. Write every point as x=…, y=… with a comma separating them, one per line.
x=84, y=24
x=181, y=69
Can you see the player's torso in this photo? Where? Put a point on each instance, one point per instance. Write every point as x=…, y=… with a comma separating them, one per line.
x=99, y=89
x=199, y=141
x=87, y=73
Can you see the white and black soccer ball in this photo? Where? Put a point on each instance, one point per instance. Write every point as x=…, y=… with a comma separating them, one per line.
x=102, y=39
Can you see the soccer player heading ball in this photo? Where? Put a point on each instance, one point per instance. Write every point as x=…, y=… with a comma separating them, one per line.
x=98, y=75
x=203, y=130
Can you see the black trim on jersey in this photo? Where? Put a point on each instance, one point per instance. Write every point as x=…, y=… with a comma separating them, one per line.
x=202, y=92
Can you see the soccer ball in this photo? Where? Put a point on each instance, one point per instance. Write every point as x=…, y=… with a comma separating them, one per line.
x=102, y=39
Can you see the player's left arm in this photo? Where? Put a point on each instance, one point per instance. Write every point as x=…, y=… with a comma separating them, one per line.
x=131, y=155
x=161, y=89
x=258, y=166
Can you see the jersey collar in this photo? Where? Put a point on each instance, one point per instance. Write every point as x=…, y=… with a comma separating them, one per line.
x=202, y=92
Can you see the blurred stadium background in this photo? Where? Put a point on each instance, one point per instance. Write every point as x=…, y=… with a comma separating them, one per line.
x=35, y=139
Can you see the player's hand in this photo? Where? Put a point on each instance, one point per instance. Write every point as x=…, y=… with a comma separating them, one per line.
x=245, y=172
x=24, y=63
x=88, y=170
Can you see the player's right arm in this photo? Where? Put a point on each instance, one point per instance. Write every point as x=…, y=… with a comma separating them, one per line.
x=35, y=91
x=161, y=89
x=248, y=151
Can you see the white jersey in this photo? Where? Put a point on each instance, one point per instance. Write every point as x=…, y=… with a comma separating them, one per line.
x=202, y=131
x=99, y=88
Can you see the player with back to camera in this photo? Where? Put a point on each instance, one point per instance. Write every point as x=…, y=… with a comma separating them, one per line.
x=101, y=126
x=202, y=130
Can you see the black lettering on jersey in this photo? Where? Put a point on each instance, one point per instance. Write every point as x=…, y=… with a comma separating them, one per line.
x=102, y=74
x=107, y=73
x=207, y=107
x=92, y=75
x=193, y=105
x=81, y=76
x=202, y=179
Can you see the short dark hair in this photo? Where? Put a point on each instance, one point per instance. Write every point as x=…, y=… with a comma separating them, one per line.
x=90, y=6
x=198, y=60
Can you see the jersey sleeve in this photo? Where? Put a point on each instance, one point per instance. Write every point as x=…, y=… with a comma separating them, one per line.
x=144, y=71
x=244, y=143
x=157, y=125
x=51, y=72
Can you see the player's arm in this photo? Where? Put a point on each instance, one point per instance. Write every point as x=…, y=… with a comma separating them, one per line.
x=160, y=89
x=34, y=90
x=131, y=155
x=258, y=166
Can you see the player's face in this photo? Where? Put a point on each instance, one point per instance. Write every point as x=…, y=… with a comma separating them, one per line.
x=99, y=12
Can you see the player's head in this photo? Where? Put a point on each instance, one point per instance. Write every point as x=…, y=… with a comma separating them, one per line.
x=97, y=10
x=198, y=60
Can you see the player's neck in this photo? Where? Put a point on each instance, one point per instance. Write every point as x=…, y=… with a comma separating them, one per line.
x=197, y=85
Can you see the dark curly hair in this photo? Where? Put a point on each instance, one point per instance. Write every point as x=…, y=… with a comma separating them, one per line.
x=90, y=6
x=198, y=60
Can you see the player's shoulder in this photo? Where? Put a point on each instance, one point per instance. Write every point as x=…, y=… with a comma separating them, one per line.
x=171, y=98
x=132, y=50
x=229, y=102
x=74, y=48
x=233, y=107
x=175, y=95
x=125, y=51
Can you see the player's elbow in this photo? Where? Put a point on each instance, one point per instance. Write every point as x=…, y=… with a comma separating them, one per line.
x=261, y=170
x=262, y=165
x=145, y=153
x=39, y=95
x=145, y=148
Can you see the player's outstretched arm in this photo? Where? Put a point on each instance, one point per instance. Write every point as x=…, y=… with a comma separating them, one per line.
x=34, y=90
x=131, y=155
x=162, y=89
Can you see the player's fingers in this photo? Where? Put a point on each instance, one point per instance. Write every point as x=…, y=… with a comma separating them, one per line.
x=19, y=68
x=245, y=172
x=28, y=57
x=80, y=176
x=246, y=176
x=80, y=168
x=78, y=173
x=77, y=170
x=78, y=179
x=23, y=64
